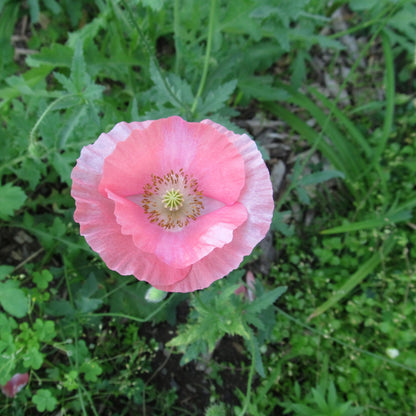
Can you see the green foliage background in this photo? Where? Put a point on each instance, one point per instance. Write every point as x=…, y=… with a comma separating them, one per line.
x=341, y=291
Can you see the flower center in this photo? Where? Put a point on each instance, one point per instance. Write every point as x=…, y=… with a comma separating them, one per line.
x=173, y=200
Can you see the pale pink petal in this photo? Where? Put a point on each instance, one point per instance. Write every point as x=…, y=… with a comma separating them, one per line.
x=15, y=384
x=257, y=194
x=173, y=144
x=257, y=197
x=184, y=247
x=95, y=214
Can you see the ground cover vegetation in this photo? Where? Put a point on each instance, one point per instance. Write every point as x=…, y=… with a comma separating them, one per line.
x=324, y=323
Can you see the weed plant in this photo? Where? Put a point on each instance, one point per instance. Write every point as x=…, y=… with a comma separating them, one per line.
x=331, y=329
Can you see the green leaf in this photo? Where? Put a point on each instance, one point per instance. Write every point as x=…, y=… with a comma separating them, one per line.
x=361, y=5
x=84, y=300
x=5, y=271
x=91, y=370
x=34, y=10
x=30, y=78
x=319, y=399
x=163, y=89
x=216, y=99
x=155, y=5
x=53, y=6
x=356, y=278
x=60, y=308
x=261, y=88
x=216, y=410
x=64, y=81
x=44, y=330
x=44, y=400
x=13, y=299
x=258, y=362
x=79, y=73
x=266, y=300
x=11, y=199
x=71, y=380
x=56, y=55
x=320, y=177
x=42, y=279
x=86, y=305
x=371, y=223
x=33, y=358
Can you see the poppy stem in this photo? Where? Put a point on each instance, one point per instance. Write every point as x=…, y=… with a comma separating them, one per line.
x=49, y=108
x=207, y=56
x=177, y=37
x=250, y=376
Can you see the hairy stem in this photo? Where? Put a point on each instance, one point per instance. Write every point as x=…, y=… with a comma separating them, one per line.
x=207, y=56
x=250, y=377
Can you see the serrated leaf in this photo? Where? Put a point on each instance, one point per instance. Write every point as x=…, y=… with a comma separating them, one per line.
x=79, y=73
x=320, y=177
x=57, y=55
x=320, y=399
x=88, y=31
x=258, y=362
x=20, y=84
x=93, y=92
x=332, y=394
x=11, y=199
x=164, y=90
x=63, y=163
x=13, y=299
x=261, y=88
x=180, y=88
x=216, y=99
x=31, y=170
x=266, y=300
x=65, y=82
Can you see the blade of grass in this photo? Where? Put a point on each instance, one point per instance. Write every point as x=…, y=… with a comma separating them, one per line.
x=207, y=55
x=352, y=163
x=313, y=137
x=390, y=91
x=306, y=132
x=371, y=223
x=356, y=278
x=355, y=134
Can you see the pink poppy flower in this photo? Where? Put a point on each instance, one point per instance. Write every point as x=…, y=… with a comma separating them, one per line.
x=174, y=203
x=15, y=384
